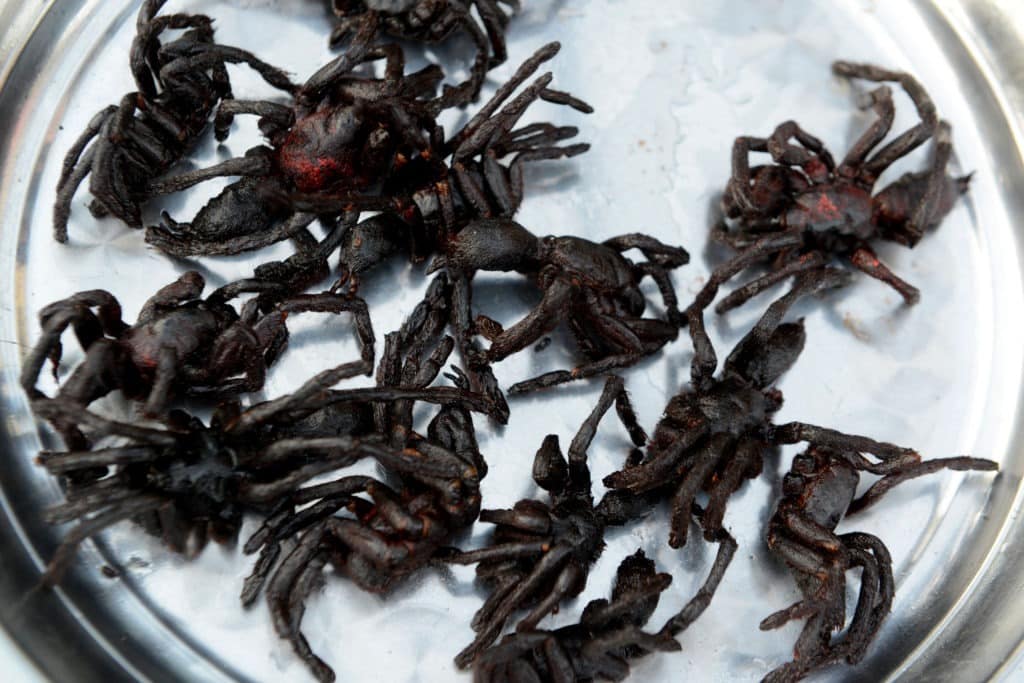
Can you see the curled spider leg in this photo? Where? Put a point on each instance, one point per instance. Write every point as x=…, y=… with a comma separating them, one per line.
x=908, y=140
x=812, y=150
x=690, y=612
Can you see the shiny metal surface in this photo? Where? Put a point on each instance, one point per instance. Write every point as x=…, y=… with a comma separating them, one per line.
x=672, y=83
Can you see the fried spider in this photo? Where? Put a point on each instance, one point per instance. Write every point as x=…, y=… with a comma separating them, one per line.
x=803, y=211
x=189, y=480
x=609, y=633
x=717, y=431
x=478, y=173
x=179, y=85
x=372, y=531
x=354, y=142
x=434, y=21
x=541, y=553
x=590, y=285
x=817, y=494
x=180, y=345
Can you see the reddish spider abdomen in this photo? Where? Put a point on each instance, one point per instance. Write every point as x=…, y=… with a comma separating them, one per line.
x=322, y=150
x=894, y=206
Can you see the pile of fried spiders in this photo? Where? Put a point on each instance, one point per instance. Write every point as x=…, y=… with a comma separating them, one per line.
x=357, y=169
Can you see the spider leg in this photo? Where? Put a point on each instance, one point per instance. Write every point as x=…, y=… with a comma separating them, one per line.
x=541, y=320
x=738, y=187
x=74, y=169
x=278, y=114
x=796, y=432
x=519, y=519
x=697, y=474
x=187, y=287
x=869, y=614
x=929, y=210
x=569, y=582
x=745, y=293
x=914, y=470
x=501, y=123
x=61, y=462
x=264, y=493
x=50, y=409
x=744, y=464
x=287, y=591
x=257, y=165
x=333, y=303
x=173, y=238
x=483, y=116
x=212, y=56
x=705, y=360
x=506, y=585
x=906, y=141
x=749, y=352
x=657, y=470
x=163, y=382
x=787, y=154
x=117, y=512
x=579, y=473
x=341, y=66
x=881, y=101
x=517, y=169
x=858, y=636
x=764, y=247
x=552, y=561
x=865, y=260
x=370, y=545
x=503, y=551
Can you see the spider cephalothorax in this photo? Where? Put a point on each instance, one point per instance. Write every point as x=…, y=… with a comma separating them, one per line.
x=716, y=432
x=125, y=148
x=817, y=493
x=180, y=345
x=805, y=211
x=592, y=286
x=541, y=553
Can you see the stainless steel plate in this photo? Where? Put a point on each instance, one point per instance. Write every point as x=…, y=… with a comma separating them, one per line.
x=673, y=83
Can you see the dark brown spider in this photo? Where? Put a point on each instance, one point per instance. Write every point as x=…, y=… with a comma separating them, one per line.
x=179, y=85
x=478, y=173
x=398, y=527
x=717, y=431
x=190, y=480
x=351, y=142
x=609, y=633
x=179, y=345
x=541, y=553
x=434, y=21
x=817, y=493
x=804, y=211
x=591, y=286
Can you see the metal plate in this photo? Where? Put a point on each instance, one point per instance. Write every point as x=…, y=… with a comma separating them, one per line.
x=673, y=84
